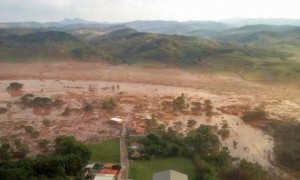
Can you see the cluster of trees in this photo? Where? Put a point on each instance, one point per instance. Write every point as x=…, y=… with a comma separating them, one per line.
x=30, y=130
x=287, y=146
x=208, y=108
x=180, y=104
x=108, y=104
x=204, y=147
x=12, y=149
x=67, y=160
x=14, y=86
x=30, y=100
x=255, y=114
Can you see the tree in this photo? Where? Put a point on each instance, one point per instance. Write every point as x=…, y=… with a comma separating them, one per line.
x=204, y=140
x=14, y=86
x=256, y=114
x=204, y=171
x=208, y=108
x=27, y=99
x=29, y=129
x=151, y=125
x=179, y=103
x=178, y=125
x=191, y=123
x=246, y=170
x=47, y=122
x=4, y=151
x=68, y=145
x=196, y=106
x=41, y=102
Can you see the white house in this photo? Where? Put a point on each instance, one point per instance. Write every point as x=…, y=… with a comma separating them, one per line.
x=169, y=175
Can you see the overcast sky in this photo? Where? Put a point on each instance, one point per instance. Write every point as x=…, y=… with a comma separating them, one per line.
x=128, y=10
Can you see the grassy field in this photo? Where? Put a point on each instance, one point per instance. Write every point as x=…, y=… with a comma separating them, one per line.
x=145, y=169
x=105, y=151
x=254, y=68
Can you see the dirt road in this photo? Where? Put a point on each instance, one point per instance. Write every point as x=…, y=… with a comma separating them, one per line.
x=124, y=154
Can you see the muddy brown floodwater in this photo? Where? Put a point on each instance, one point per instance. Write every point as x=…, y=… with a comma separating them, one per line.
x=79, y=83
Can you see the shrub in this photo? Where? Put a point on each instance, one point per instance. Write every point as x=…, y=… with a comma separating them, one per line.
x=29, y=129
x=42, y=101
x=3, y=110
x=47, y=122
x=27, y=99
x=35, y=134
x=179, y=103
x=88, y=107
x=191, y=123
x=66, y=112
x=224, y=132
x=109, y=104
x=256, y=114
x=14, y=86
x=196, y=106
x=43, y=143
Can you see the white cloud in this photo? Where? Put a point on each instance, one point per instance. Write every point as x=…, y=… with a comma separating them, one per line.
x=125, y=10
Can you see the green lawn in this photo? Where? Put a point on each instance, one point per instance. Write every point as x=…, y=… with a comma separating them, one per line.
x=145, y=169
x=105, y=151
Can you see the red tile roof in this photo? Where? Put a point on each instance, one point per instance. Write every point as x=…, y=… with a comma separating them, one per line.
x=108, y=171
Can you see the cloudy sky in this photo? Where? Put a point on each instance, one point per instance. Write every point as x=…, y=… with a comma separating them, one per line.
x=127, y=10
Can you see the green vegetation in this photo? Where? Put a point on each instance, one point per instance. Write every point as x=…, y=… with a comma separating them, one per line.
x=255, y=114
x=253, y=52
x=287, y=143
x=50, y=38
x=14, y=86
x=208, y=108
x=145, y=169
x=251, y=67
x=179, y=103
x=43, y=143
x=47, y=122
x=105, y=151
x=29, y=129
x=30, y=101
x=191, y=123
x=203, y=147
x=68, y=159
x=109, y=104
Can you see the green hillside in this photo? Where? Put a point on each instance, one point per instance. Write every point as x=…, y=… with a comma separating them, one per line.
x=38, y=39
x=130, y=46
x=271, y=59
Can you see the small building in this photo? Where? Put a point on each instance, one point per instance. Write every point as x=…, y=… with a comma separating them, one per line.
x=136, y=146
x=108, y=171
x=116, y=120
x=169, y=175
x=105, y=177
